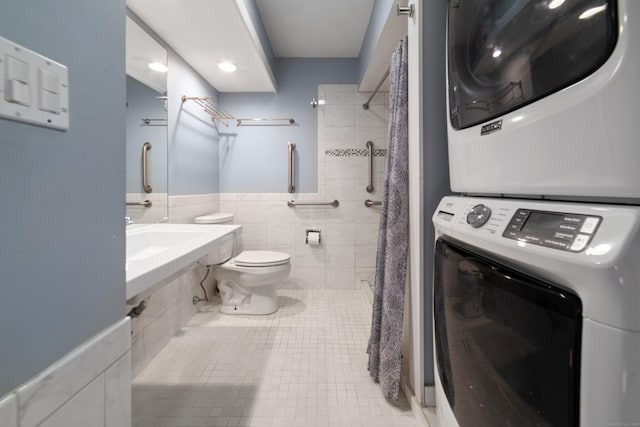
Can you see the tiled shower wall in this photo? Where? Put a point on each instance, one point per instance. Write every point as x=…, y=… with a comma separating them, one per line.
x=347, y=253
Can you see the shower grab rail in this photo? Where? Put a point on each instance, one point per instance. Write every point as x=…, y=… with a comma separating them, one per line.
x=365, y=106
x=145, y=167
x=370, y=154
x=291, y=188
x=294, y=203
x=368, y=203
x=146, y=203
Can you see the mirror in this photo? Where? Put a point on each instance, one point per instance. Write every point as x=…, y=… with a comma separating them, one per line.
x=146, y=127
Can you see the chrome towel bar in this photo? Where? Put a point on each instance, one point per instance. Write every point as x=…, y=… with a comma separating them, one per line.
x=293, y=203
x=370, y=154
x=145, y=167
x=292, y=187
x=368, y=203
x=146, y=203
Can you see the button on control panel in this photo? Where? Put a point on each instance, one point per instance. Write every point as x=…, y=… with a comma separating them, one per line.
x=564, y=231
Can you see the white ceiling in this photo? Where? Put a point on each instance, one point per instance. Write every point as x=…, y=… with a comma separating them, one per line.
x=207, y=32
x=316, y=28
x=141, y=50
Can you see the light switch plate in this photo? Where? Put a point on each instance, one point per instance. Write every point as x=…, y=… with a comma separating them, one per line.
x=41, y=74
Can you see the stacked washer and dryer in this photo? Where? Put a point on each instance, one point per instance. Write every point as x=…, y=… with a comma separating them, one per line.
x=537, y=269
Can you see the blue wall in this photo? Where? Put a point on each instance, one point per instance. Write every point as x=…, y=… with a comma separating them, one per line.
x=253, y=159
x=193, y=139
x=435, y=157
x=61, y=224
x=142, y=103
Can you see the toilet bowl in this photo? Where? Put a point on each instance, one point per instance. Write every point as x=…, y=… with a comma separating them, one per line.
x=248, y=282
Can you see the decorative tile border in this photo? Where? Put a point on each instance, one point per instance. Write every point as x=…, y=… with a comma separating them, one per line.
x=354, y=152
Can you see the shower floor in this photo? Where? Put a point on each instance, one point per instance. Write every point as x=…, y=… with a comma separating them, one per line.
x=304, y=365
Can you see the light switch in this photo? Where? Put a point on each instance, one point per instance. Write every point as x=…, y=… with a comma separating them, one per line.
x=33, y=89
x=17, y=70
x=49, y=102
x=17, y=92
x=48, y=81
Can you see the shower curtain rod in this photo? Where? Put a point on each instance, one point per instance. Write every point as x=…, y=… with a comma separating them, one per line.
x=365, y=106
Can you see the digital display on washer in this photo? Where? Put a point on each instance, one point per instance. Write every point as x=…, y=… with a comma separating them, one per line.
x=542, y=222
x=564, y=231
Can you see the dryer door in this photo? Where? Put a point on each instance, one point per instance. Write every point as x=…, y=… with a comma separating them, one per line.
x=507, y=344
x=506, y=54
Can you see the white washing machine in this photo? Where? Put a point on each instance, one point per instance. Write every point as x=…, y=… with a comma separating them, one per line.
x=536, y=313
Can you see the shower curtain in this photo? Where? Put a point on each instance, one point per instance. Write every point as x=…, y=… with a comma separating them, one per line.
x=385, y=342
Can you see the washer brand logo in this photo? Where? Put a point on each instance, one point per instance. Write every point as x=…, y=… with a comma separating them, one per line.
x=491, y=127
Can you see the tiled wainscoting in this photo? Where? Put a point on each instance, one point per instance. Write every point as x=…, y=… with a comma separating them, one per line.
x=183, y=209
x=157, y=212
x=89, y=387
x=168, y=309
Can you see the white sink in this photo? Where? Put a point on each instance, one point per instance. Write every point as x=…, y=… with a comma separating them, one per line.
x=157, y=251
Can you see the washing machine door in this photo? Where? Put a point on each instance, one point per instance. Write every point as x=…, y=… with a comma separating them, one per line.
x=507, y=344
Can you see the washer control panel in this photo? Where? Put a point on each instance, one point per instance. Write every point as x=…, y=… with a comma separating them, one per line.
x=564, y=231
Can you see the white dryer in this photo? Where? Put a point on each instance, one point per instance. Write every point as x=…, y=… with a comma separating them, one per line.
x=536, y=313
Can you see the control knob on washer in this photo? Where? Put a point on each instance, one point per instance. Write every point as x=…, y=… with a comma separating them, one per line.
x=478, y=215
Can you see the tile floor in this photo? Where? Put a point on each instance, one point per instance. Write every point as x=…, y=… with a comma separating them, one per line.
x=302, y=366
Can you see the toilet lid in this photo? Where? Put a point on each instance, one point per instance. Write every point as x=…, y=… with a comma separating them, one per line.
x=261, y=258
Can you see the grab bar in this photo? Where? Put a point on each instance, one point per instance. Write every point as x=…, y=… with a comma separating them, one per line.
x=368, y=203
x=145, y=167
x=370, y=154
x=146, y=203
x=293, y=203
x=291, y=188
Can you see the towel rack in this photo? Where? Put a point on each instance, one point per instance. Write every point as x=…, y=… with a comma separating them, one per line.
x=368, y=203
x=294, y=203
x=146, y=203
x=217, y=113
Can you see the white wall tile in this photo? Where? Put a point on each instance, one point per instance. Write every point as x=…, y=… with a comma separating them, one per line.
x=280, y=233
x=278, y=211
x=310, y=256
x=338, y=115
x=55, y=385
x=340, y=278
x=158, y=333
x=340, y=233
x=366, y=256
x=85, y=409
x=340, y=137
x=375, y=116
x=340, y=256
x=9, y=411
x=310, y=278
x=117, y=393
x=250, y=211
x=367, y=233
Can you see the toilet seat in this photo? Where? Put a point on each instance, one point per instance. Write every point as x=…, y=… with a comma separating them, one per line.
x=261, y=259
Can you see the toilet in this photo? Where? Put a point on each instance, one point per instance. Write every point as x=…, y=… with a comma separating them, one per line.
x=248, y=281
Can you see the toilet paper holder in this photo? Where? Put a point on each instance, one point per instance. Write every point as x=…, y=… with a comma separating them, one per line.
x=310, y=230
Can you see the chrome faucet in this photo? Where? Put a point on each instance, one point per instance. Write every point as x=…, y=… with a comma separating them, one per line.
x=128, y=220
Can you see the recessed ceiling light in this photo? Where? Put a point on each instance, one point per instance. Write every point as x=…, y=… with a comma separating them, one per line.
x=497, y=52
x=227, y=66
x=159, y=67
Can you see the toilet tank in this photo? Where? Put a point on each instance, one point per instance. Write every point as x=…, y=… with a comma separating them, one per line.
x=215, y=218
x=224, y=250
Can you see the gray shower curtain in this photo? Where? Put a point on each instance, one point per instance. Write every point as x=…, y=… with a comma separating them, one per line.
x=385, y=342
